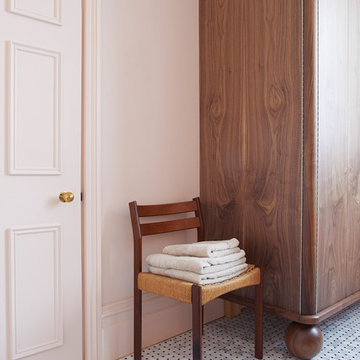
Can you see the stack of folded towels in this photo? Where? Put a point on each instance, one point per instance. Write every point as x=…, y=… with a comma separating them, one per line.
x=205, y=262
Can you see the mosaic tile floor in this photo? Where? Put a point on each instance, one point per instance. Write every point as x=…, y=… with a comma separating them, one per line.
x=228, y=339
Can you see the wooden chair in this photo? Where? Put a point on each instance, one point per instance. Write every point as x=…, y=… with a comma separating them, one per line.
x=197, y=295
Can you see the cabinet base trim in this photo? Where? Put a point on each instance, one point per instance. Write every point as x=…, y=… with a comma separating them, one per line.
x=299, y=318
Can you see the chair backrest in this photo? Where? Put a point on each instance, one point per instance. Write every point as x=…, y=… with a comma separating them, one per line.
x=140, y=230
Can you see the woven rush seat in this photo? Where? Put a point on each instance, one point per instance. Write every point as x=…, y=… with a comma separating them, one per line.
x=181, y=290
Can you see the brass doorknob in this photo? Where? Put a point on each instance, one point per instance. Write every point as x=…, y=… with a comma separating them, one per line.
x=66, y=197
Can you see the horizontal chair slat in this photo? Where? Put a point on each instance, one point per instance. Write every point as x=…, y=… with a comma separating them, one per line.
x=166, y=209
x=167, y=226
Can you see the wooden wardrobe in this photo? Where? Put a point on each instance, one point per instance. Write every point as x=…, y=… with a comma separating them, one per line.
x=280, y=147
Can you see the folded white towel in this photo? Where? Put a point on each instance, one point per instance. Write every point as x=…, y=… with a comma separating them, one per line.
x=202, y=279
x=220, y=253
x=199, y=265
x=215, y=248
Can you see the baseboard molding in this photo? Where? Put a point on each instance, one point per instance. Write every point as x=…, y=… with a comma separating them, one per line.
x=127, y=304
x=162, y=318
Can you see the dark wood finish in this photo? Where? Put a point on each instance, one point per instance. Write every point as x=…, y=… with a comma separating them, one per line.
x=309, y=216
x=259, y=307
x=137, y=324
x=197, y=321
x=201, y=237
x=137, y=270
x=279, y=162
x=333, y=164
x=339, y=151
x=169, y=226
x=202, y=319
x=296, y=317
x=335, y=308
x=140, y=230
x=198, y=213
x=353, y=244
x=303, y=341
x=167, y=209
x=250, y=105
x=334, y=102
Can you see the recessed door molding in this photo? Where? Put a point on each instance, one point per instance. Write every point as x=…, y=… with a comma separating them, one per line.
x=27, y=278
x=34, y=117
x=26, y=8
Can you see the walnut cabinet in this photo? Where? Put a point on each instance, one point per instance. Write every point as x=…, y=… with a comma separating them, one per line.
x=280, y=146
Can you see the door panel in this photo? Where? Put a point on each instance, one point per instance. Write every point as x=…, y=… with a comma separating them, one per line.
x=40, y=156
x=35, y=266
x=31, y=154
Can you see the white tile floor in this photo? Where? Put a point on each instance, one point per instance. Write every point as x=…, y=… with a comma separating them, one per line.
x=227, y=339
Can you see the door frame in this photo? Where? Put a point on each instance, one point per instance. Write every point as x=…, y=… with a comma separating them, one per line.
x=91, y=180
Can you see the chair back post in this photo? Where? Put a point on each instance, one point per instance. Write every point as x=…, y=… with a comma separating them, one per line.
x=137, y=241
x=198, y=213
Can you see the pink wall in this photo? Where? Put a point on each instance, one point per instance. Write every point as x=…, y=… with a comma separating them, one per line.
x=150, y=149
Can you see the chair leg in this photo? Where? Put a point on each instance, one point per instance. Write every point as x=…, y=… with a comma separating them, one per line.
x=259, y=319
x=137, y=323
x=202, y=319
x=196, y=322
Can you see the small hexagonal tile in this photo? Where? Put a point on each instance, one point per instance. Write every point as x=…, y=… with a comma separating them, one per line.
x=230, y=339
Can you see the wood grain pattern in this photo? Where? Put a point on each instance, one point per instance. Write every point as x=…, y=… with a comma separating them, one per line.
x=250, y=105
x=333, y=164
x=199, y=214
x=353, y=130
x=295, y=316
x=166, y=209
x=303, y=341
x=168, y=226
x=309, y=218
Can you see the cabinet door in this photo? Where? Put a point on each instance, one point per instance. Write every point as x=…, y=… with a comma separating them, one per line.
x=339, y=151
x=353, y=245
x=251, y=135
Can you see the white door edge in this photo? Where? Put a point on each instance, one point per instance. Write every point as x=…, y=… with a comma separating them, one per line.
x=91, y=181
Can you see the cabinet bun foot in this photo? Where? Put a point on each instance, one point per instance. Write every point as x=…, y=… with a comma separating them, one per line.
x=303, y=341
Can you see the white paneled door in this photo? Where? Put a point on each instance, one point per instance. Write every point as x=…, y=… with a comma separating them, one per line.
x=40, y=158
